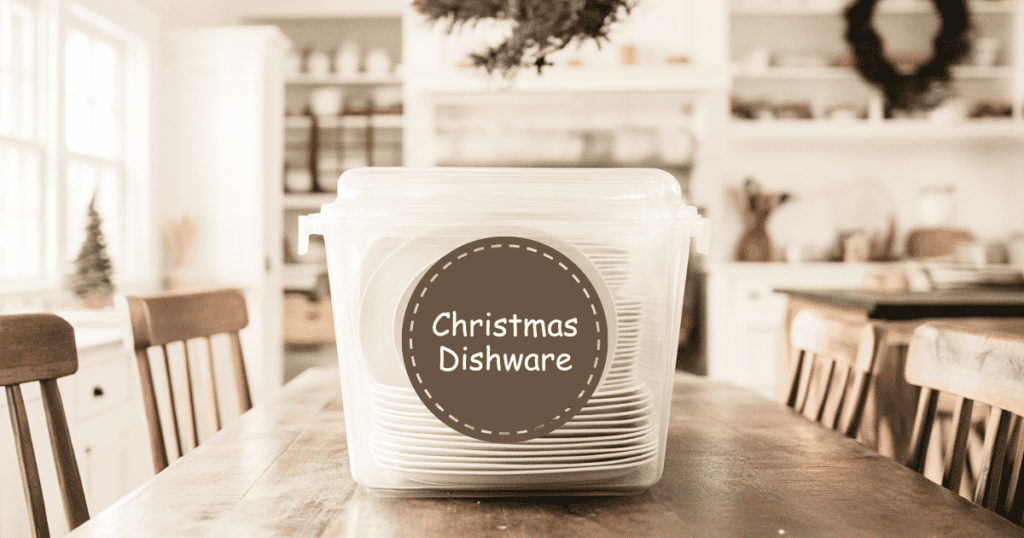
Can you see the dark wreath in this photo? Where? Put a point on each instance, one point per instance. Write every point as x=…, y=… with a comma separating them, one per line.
x=910, y=91
x=541, y=26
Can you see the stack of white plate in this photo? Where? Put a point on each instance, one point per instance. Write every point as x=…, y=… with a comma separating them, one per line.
x=612, y=435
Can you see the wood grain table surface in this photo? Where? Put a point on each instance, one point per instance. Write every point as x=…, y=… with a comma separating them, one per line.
x=736, y=465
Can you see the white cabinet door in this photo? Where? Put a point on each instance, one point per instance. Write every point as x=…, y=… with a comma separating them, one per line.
x=224, y=112
x=112, y=457
x=745, y=316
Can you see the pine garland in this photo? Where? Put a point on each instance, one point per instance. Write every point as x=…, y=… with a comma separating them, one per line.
x=93, y=268
x=541, y=26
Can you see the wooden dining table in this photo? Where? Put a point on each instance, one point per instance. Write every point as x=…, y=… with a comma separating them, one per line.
x=736, y=464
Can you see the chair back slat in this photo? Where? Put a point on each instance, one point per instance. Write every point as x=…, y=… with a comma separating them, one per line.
x=924, y=420
x=834, y=363
x=211, y=392
x=1010, y=467
x=957, y=457
x=169, y=318
x=68, y=475
x=986, y=491
x=154, y=428
x=975, y=364
x=241, y=379
x=41, y=348
x=27, y=462
x=189, y=401
x=172, y=407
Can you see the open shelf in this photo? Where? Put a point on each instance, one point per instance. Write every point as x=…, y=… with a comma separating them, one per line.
x=909, y=131
x=834, y=7
x=847, y=73
x=636, y=78
x=334, y=78
x=354, y=121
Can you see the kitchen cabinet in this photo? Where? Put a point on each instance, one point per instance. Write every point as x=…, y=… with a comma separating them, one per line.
x=745, y=317
x=107, y=430
x=363, y=126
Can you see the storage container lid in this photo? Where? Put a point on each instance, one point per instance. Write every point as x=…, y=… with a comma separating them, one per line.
x=617, y=200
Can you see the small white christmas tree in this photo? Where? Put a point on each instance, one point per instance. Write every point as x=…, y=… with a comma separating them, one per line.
x=91, y=281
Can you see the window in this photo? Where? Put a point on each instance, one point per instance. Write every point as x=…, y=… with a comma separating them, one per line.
x=93, y=164
x=68, y=134
x=21, y=148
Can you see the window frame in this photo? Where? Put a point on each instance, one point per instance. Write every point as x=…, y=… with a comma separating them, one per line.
x=55, y=20
x=40, y=143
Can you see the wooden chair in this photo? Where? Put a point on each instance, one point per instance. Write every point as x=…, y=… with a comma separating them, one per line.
x=41, y=347
x=833, y=370
x=975, y=365
x=159, y=320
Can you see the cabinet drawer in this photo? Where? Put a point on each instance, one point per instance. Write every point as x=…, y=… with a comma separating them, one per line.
x=758, y=298
x=308, y=322
x=100, y=387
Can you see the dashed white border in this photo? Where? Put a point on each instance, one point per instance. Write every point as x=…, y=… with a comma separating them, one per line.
x=558, y=420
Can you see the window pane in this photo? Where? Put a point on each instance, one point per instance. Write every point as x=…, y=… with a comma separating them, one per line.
x=81, y=186
x=6, y=36
x=22, y=45
x=20, y=213
x=103, y=130
x=6, y=104
x=79, y=124
x=85, y=180
x=77, y=70
x=26, y=99
x=108, y=203
x=103, y=74
x=17, y=68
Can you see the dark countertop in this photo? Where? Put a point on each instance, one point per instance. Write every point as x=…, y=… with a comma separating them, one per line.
x=979, y=302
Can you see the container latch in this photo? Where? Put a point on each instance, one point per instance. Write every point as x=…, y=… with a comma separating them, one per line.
x=309, y=225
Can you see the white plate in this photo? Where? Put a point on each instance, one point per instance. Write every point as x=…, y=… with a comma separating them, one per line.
x=446, y=439
x=473, y=446
x=408, y=394
x=577, y=477
x=517, y=460
x=408, y=421
x=511, y=467
x=575, y=433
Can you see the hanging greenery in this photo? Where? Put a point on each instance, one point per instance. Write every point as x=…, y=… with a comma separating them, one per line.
x=926, y=86
x=541, y=27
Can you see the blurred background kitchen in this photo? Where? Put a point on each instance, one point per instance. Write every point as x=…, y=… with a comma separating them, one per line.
x=204, y=128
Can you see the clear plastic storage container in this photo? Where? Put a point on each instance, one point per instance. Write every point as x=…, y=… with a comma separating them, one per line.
x=506, y=331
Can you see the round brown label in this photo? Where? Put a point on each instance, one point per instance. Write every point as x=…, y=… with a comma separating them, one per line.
x=505, y=339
